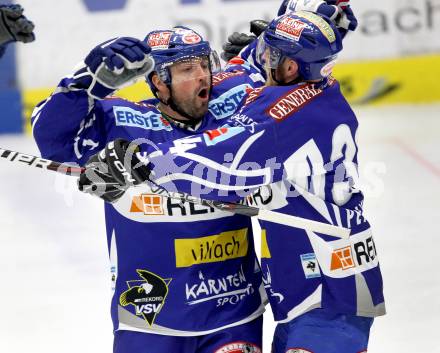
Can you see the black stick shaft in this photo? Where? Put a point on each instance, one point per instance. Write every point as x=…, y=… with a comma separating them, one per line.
x=37, y=162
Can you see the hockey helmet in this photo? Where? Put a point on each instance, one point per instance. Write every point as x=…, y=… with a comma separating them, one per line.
x=180, y=44
x=311, y=40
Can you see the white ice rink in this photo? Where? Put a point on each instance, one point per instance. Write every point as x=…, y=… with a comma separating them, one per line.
x=54, y=275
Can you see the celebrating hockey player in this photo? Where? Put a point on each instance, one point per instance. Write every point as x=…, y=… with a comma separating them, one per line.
x=185, y=277
x=14, y=27
x=293, y=145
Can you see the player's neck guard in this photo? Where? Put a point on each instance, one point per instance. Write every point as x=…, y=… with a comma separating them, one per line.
x=190, y=125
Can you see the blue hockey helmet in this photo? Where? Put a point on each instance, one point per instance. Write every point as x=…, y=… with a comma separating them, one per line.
x=176, y=45
x=311, y=40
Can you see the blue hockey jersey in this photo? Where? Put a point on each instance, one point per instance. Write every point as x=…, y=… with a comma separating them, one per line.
x=177, y=268
x=291, y=149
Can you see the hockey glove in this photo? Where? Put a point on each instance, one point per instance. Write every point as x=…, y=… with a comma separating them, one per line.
x=238, y=41
x=337, y=10
x=112, y=171
x=112, y=65
x=14, y=27
x=346, y=21
x=327, y=8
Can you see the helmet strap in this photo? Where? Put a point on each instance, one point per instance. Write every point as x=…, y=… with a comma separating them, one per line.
x=283, y=83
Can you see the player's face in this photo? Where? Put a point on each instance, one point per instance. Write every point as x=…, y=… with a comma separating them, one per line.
x=190, y=85
x=286, y=72
x=271, y=70
x=278, y=68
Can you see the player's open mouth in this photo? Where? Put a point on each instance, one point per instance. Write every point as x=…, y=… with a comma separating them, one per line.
x=203, y=93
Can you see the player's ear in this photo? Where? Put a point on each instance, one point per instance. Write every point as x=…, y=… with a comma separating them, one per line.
x=162, y=88
x=290, y=70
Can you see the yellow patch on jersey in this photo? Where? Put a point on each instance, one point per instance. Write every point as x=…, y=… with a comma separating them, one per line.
x=213, y=248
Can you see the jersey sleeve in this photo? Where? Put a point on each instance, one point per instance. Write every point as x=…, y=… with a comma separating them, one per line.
x=69, y=125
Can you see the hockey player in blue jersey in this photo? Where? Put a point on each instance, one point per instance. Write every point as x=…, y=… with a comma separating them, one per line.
x=185, y=277
x=291, y=148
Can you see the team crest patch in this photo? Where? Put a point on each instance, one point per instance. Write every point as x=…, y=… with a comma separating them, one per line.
x=147, y=295
x=239, y=347
x=297, y=350
x=310, y=265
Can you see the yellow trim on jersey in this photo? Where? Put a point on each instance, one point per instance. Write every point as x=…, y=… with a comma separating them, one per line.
x=265, y=252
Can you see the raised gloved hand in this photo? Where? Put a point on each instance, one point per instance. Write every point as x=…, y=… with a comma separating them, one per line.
x=14, y=27
x=114, y=64
x=338, y=11
x=346, y=21
x=109, y=173
x=237, y=41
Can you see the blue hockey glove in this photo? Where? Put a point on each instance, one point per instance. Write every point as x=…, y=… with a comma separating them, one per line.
x=346, y=21
x=318, y=6
x=14, y=27
x=114, y=64
x=337, y=10
x=112, y=171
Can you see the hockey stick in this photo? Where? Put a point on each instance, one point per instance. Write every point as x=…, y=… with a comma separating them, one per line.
x=37, y=162
x=264, y=215
x=250, y=211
